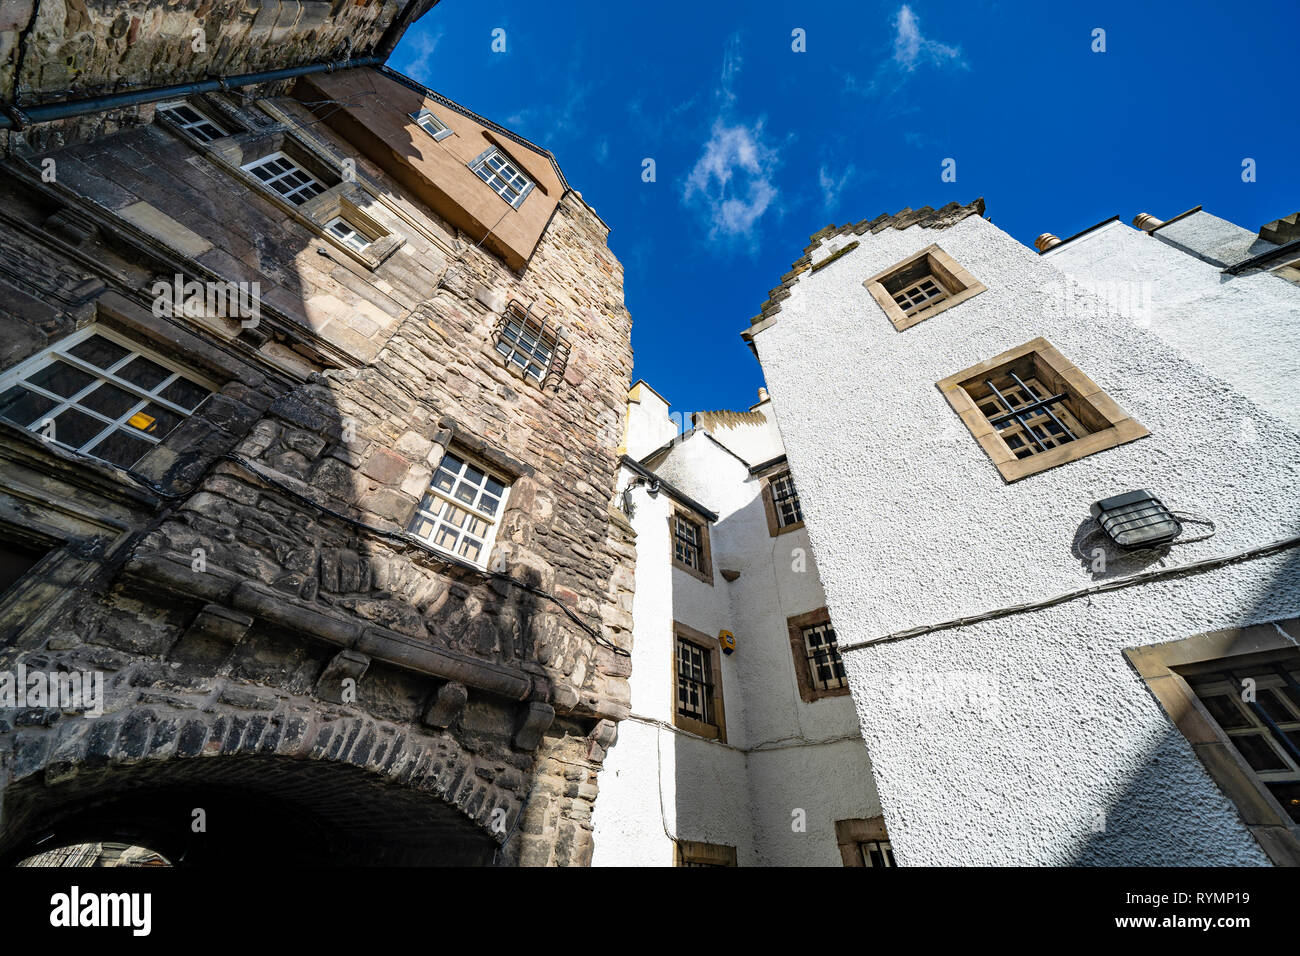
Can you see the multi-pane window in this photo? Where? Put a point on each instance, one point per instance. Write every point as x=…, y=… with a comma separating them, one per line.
x=1031, y=409
x=922, y=286
x=499, y=172
x=97, y=393
x=348, y=234
x=1029, y=417
x=825, y=668
x=687, y=542
x=785, y=501
x=431, y=124
x=192, y=121
x=525, y=342
x=462, y=509
x=693, y=853
x=875, y=853
x=282, y=175
x=694, y=682
x=1259, y=709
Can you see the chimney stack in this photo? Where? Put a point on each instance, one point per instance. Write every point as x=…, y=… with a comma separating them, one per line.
x=1046, y=241
x=1146, y=222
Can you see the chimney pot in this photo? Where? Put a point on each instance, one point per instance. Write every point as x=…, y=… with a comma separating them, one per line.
x=1046, y=241
x=762, y=395
x=1146, y=222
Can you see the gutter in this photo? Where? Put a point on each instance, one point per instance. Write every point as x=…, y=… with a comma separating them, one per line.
x=680, y=497
x=1264, y=259
x=14, y=117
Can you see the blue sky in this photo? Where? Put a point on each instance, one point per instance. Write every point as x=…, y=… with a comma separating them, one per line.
x=757, y=146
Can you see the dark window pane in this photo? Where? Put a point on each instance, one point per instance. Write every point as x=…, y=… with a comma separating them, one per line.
x=1288, y=794
x=1258, y=753
x=75, y=428
x=109, y=400
x=1225, y=712
x=121, y=448
x=154, y=420
x=1275, y=708
x=184, y=393
x=24, y=408
x=144, y=373
x=61, y=379
x=99, y=352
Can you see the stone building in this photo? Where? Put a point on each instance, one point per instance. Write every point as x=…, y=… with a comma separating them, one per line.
x=311, y=391
x=742, y=747
x=1052, y=499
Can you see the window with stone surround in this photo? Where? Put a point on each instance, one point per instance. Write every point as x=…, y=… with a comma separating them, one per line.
x=922, y=286
x=101, y=394
x=694, y=853
x=697, y=698
x=864, y=842
x=690, y=544
x=281, y=175
x=461, y=511
x=191, y=121
x=503, y=174
x=530, y=345
x=1031, y=409
x=781, y=500
x=431, y=124
x=1235, y=696
x=819, y=670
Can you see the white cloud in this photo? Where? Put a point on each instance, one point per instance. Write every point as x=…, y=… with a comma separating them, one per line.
x=910, y=48
x=831, y=187
x=732, y=180
x=731, y=63
x=419, y=47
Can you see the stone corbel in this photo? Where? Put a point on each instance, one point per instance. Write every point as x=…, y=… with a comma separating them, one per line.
x=215, y=632
x=603, y=736
x=346, y=665
x=446, y=705
x=536, y=720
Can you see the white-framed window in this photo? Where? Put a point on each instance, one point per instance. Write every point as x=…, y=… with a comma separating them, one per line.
x=99, y=393
x=283, y=176
x=431, y=124
x=462, y=509
x=192, y=121
x=825, y=668
x=497, y=170
x=348, y=234
x=785, y=501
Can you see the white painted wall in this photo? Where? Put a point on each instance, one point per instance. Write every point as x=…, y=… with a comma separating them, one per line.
x=913, y=525
x=1245, y=329
x=782, y=755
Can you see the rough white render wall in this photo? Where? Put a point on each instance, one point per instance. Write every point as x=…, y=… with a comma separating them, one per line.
x=1243, y=328
x=659, y=783
x=649, y=424
x=913, y=525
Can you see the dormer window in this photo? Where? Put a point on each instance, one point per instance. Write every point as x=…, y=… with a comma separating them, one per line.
x=501, y=173
x=348, y=234
x=191, y=121
x=431, y=124
x=921, y=287
x=283, y=176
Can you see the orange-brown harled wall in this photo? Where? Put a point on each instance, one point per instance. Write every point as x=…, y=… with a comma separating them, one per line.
x=373, y=111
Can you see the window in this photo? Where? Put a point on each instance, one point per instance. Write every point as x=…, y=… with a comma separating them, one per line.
x=690, y=543
x=781, y=503
x=282, y=175
x=191, y=121
x=692, y=853
x=1258, y=708
x=922, y=286
x=698, y=676
x=97, y=393
x=462, y=509
x=864, y=842
x=1031, y=409
x=1235, y=695
x=431, y=124
x=348, y=234
x=525, y=342
x=819, y=670
x=500, y=172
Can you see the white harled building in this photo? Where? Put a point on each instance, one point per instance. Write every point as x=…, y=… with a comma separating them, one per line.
x=746, y=754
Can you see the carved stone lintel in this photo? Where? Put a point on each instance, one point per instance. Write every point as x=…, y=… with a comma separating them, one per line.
x=537, y=718
x=346, y=666
x=446, y=705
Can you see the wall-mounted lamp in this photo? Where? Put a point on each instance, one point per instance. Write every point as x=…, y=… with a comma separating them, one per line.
x=1136, y=519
